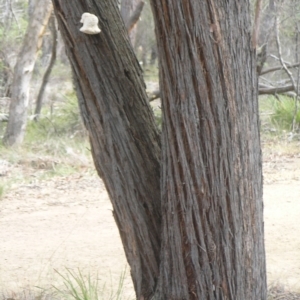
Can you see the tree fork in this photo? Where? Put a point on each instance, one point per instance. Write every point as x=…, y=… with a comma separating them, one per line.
x=212, y=229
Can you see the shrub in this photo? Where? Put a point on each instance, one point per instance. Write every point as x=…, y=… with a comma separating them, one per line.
x=284, y=111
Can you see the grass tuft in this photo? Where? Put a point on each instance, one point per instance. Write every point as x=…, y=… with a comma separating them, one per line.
x=277, y=114
x=278, y=292
x=284, y=111
x=80, y=287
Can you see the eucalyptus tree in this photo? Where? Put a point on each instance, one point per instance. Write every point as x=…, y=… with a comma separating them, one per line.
x=189, y=205
x=23, y=69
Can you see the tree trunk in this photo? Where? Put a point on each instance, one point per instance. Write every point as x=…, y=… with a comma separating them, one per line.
x=213, y=237
x=267, y=23
x=124, y=138
x=128, y=8
x=135, y=16
x=23, y=72
x=31, y=7
x=39, y=100
x=211, y=245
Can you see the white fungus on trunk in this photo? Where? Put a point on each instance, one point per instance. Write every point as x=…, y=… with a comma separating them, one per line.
x=90, y=24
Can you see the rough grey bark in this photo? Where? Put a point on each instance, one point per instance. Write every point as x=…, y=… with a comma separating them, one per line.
x=124, y=138
x=213, y=237
x=210, y=197
x=23, y=72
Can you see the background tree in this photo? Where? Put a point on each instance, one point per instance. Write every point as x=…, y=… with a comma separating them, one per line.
x=145, y=43
x=130, y=12
x=211, y=187
x=273, y=80
x=39, y=100
x=11, y=18
x=279, y=63
x=279, y=24
x=23, y=72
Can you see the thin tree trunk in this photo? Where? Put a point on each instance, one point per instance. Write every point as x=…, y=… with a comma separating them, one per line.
x=23, y=72
x=256, y=23
x=213, y=237
x=31, y=7
x=128, y=8
x=267, y=23
x=130, y=24
x=124, y=138
x=39, y=101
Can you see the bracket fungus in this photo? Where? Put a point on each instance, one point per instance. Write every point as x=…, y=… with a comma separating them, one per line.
x=90, y=24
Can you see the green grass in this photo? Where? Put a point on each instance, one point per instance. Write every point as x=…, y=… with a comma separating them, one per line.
x=60, y=120
x=284, y=111
x=276, y=117
x=80, y=287
x=278, y=113
x=46, y=158
x=56, y=145
x=73, y=285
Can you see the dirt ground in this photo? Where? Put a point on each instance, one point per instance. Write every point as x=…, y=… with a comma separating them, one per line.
x=282, y=219
x=66, y=222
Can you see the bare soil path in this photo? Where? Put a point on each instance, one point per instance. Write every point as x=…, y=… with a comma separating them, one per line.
x=66, y=222
x=282, y=220
x=57, y=224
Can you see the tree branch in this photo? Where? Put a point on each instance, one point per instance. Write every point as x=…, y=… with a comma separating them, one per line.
x=290, y=75
x=154, y=95
x=135, y=16
x=294, y=125
x=279, y=68
x=276, y=90
x=47, y=74
x=261, y=57
x=256, y=24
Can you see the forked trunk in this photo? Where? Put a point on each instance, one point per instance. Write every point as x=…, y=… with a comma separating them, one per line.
x=210, y=243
